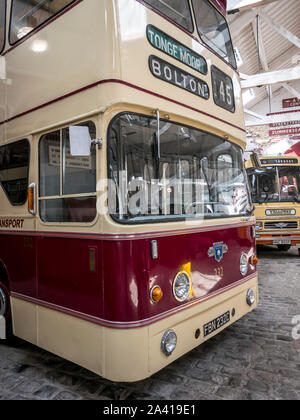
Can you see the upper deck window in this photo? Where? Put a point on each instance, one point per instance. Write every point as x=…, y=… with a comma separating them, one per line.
x=26, y=15
x=14, y=165
x=213, y=30
x=176, y=10
x=2, y=24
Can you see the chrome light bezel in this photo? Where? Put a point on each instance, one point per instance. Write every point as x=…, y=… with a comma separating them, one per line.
x=259, y=226
x=168, y=339
x=188, y=289
x=250, y=297
x=244, y=264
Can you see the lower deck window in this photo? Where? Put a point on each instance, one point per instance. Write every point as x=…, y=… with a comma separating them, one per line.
x=163, y=171
x=67, y=183
x=14, y=166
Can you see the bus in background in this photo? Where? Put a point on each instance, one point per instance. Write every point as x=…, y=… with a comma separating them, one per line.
x=135, y=240
x=275, y=190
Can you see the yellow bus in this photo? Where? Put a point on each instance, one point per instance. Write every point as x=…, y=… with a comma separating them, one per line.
x=275, y=189
x=127, y=237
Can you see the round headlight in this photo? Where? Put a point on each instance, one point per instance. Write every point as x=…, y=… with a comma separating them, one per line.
x=168, y=342
x=293, y=212
x=250, y=297
x=182, y=286
x=268, y=212
x=244, y=264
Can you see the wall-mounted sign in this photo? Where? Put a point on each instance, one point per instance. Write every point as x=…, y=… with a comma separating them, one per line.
x=284, y=131
x=177, y=77
x=290, y=103
x=222, y=89
x=279, y=161
x=284, y=123
x=175, y=49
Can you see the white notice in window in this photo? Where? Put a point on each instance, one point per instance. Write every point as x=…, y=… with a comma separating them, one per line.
x=80, y=141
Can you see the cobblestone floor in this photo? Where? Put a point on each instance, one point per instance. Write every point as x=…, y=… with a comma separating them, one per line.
x=256, y=358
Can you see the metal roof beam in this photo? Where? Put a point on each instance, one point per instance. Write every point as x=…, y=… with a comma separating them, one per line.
x=272, y=119
x=271, y=78
x=280, y=29
x=291, y=90
x=242, y=21
x=261, y=49
x=242, y=5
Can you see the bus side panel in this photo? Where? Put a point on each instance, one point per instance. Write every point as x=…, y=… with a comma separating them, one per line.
x=125, y=280
x=69, y=273
x=18, y=253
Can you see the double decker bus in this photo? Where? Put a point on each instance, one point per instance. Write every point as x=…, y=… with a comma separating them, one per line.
x=275, y=189
x=127, y=237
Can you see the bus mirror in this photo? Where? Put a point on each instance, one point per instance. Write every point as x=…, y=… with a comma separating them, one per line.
x=80, y=141
x=255, y=160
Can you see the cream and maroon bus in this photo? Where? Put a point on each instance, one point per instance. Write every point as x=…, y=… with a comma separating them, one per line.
x=127, y=235
x=275, y=190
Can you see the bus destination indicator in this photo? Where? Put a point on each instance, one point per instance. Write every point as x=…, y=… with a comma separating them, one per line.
x=177, y=77
x=279, y=161
x=173, y=48
x=222, y=89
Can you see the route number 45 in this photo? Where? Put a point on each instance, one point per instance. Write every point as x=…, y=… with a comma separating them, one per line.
x=225, y=93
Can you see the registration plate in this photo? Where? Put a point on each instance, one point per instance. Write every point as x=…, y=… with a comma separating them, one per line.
x=282, y=242
x=217, y=323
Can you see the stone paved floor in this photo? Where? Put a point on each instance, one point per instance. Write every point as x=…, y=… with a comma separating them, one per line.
x=256, y=358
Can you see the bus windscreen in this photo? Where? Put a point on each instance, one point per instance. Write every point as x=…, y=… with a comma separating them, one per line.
x=275, y=184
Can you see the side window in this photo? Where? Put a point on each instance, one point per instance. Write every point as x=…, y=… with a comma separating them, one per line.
x=2, y=24
x=213, y=30
x=26, y=15
x=67, y=184
x=14, y=168
x=176, y=10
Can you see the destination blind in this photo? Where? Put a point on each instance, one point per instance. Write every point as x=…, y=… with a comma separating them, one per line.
x=177, y=77
x=175, y=49
x=279, y=161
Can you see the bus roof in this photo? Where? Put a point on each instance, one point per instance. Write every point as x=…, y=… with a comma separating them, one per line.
x=276, y=161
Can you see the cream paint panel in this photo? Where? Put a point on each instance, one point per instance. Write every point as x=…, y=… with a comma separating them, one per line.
x=133, y=38
x=123, y=355
x=186, y=327
x=24, y=315
x=75, y=56
x=126, y=354
x=73, y=339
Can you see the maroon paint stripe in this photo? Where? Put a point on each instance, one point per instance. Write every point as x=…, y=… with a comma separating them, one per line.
x=128, y=325
x=48, y=22
x=124, y=236
x=101, y=82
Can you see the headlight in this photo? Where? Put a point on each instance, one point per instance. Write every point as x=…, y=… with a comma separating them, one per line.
x=259, y=225
x=244, y=263
x=293, y=212
x=168, y=342
x=250, y=297
x=182, y=286
x=268, y=213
